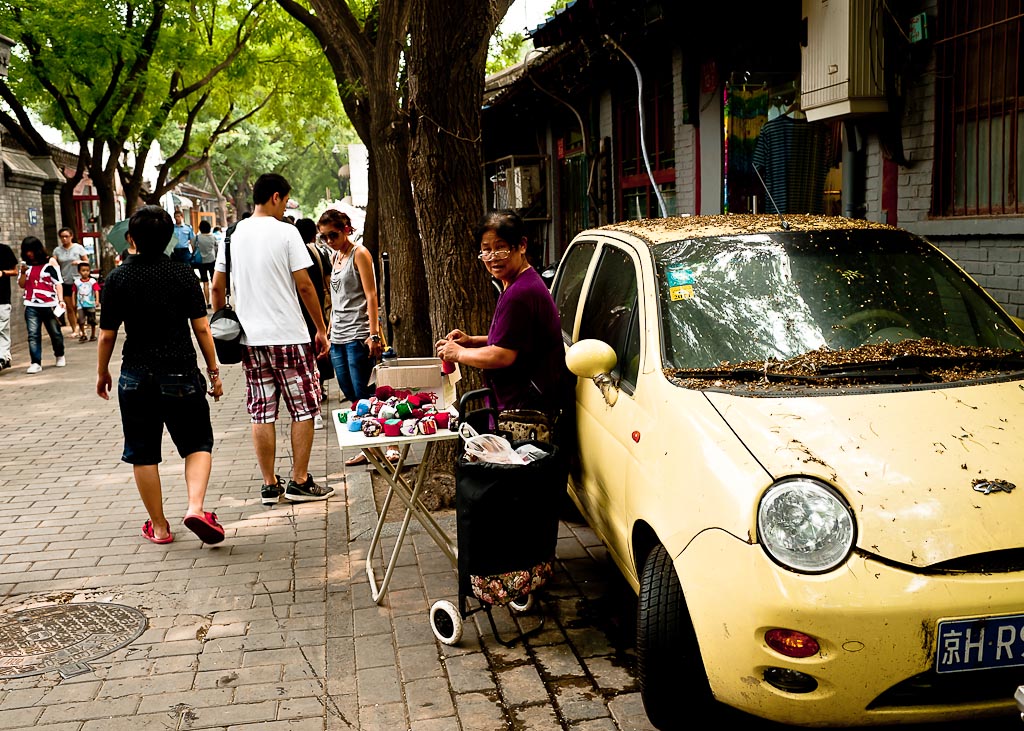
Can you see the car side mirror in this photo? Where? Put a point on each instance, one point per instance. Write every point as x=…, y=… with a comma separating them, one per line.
x=594, y=359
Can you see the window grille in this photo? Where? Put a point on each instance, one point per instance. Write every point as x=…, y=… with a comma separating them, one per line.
x=979, y=119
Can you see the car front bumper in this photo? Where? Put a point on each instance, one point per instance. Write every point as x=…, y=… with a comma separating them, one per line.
x=876, y=625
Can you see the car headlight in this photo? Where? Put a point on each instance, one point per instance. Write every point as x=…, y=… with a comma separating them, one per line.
x=805, y=525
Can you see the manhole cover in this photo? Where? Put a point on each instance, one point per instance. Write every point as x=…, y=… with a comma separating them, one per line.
x=64, y=637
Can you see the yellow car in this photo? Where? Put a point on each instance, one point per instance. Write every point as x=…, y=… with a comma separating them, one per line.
x=802, y=441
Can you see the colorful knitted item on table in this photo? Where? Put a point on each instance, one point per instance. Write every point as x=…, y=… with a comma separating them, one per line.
x=419, y=400
x=343, y=417
x=409, y=427
x=362, y=407
x=427, y=425
x=393, y=427
x=404, y=409
x=355, y=423
x=384, y=392
x=372, y=428
x=387, y=412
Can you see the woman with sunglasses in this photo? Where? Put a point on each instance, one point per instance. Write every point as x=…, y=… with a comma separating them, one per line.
x=522, y=355
x=355, y=339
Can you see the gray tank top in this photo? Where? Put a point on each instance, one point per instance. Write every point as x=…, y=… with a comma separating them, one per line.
x=349, y=320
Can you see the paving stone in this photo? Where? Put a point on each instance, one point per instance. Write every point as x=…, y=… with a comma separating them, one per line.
x=628, y=712
x=521, y=685
x=479, y=712
x=86, y=711
x=577, y=700
x=428, y=698
x=419, y=661
x=374, y=651
x=469, y=672
x=536, y=718
x=557, y=661
x=383, y=716
x=611, y=674
x=378, y=686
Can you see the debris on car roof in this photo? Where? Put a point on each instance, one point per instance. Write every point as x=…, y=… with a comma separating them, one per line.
x=659, y=230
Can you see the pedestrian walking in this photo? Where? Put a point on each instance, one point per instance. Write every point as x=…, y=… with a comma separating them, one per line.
x=206, y=242
x=320, y=275
x=86, y=293
x=157, y=301
x=184, y=238
x=269, y=277
x=39, y=276
x=69, y=255
x=355, y=329
x=8, y=269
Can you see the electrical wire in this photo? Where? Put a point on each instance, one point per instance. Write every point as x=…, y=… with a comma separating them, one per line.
x=643, y=135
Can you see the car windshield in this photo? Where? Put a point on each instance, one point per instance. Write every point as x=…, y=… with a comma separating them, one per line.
x=777, y=296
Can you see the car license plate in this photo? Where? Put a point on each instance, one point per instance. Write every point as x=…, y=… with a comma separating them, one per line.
x=980, y=644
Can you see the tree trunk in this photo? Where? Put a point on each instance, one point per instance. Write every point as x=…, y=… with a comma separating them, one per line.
x=222, y=202
x=446, y=75
x=446, y=80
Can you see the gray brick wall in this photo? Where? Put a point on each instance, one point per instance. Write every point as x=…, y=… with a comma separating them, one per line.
x=996, y=264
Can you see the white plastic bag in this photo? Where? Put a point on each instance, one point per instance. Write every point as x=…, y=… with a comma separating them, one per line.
x=488, y=447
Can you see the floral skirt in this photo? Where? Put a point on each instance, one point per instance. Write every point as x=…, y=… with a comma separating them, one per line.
x=506, y=587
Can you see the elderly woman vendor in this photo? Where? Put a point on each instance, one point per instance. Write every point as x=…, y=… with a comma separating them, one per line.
x=522, y=355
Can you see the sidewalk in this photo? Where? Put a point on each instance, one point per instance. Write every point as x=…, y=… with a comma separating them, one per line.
x=274, y=628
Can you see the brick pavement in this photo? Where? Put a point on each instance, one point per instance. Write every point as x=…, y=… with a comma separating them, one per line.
x=274, y=628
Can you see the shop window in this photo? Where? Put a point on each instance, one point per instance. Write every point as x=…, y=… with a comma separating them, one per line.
x=979, y=111
x=638, y=199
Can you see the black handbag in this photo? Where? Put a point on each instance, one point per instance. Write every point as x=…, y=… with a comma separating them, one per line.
x=224, y=324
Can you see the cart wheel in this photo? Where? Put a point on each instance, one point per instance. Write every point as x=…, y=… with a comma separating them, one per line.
x=522, y=604
x=446, y=622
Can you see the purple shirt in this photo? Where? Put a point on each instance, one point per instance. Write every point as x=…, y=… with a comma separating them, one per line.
x=526, y=321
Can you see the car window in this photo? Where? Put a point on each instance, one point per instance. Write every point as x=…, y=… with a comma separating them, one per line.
x=776, y=296
x=610, y=310
x=570, y=283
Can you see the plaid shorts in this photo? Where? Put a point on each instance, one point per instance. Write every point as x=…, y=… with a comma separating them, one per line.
x=272, y=371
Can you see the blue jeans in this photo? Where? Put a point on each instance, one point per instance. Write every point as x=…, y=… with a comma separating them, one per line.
x=35, y=319
x=352, y=366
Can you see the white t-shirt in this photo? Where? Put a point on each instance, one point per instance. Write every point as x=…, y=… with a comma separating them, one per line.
x=264, y=253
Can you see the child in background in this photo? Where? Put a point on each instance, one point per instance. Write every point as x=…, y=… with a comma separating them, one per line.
x=88, y=292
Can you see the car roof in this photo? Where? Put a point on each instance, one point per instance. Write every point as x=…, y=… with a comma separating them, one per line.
x=675, y=228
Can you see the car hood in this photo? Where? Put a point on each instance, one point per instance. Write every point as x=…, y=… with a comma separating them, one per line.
x=907, y=462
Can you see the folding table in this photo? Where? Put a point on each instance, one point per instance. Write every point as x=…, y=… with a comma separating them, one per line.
x=374, y=450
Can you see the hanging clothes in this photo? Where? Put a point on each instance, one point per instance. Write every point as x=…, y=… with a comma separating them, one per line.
x=792, y=156
x=747, y=113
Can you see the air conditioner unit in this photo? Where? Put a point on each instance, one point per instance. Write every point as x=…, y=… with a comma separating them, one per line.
x=841, y=65
x=523, y=185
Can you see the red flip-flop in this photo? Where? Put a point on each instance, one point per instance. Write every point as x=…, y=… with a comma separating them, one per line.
x=205, y=526
x=149, y=535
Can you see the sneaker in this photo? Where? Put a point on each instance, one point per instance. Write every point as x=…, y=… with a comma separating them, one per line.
x=308, y=491
x=34, y=368
x=5, y=363
x=272, y=493
x=318, y=422
x=61, y=362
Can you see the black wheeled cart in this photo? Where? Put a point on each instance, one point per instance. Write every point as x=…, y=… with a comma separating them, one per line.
x=507, y=522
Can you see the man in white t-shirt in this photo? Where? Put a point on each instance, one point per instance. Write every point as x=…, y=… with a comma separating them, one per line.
x=268, y=268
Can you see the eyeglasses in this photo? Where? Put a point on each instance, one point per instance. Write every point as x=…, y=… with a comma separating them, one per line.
x=329, y=236
x=496, y=255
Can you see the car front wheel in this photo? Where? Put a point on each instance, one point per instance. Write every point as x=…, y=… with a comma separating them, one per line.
x=669, y=666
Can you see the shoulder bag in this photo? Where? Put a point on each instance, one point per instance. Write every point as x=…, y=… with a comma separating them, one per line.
x=224, y=324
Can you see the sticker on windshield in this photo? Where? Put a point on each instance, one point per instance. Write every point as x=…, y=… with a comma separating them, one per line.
x=682, y=292
x=680, y=283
